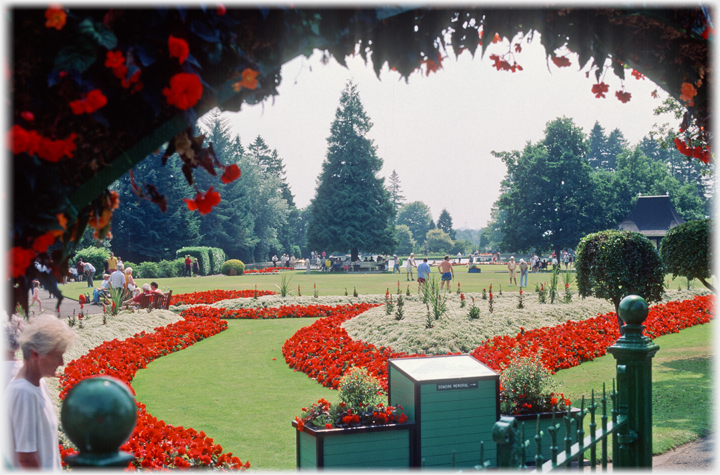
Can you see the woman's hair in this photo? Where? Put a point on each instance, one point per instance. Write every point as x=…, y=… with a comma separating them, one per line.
x=128, y=270
x=146, y=287
x=13, y=328
x=45, y=333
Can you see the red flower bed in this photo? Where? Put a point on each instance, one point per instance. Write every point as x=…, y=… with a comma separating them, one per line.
x=284, y=311
x=212, y=296
x=324, y=350
x=571, y=343
x=154, y=443
x=266, y=270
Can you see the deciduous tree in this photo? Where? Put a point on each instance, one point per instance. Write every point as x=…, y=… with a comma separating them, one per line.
x=406, y=242
x=416, y=216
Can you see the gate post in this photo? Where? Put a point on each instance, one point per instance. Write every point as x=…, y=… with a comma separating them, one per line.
x=633, y=353
x=506, y=435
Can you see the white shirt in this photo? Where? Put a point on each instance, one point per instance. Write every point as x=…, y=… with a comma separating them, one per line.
x=105, y=284
x=33, y=424
x=88, y=267
x=410, y=262
x=117, y=279
x=10, y=369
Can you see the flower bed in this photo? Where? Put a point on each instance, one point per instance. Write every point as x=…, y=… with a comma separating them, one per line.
x=212, y=296
x=154, y=443
x=266, y=270
x=324, y=350
x=258, y=313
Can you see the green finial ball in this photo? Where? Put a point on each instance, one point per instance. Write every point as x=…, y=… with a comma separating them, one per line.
x=633, y=310
x=99, y=414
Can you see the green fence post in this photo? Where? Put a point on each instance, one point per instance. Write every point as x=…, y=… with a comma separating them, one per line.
x=506, y=435
x=633, y=353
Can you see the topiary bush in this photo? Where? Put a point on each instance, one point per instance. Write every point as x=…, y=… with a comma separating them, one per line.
x=147, y=270
x=685, y=250
x=236, y=264
x=169, y=268
x=94, y=255
x=613, y=264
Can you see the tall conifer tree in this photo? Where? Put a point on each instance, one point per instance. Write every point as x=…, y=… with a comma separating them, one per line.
x=395, y=191
x=351, y=209
x=445, y=223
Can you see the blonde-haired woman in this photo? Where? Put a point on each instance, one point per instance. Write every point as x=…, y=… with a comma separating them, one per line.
x=33, y=423
x=129, y=282
x=13, y=328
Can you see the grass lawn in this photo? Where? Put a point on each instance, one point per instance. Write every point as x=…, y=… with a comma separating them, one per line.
x=335, y=283
x=682, y=386
x=230, y=387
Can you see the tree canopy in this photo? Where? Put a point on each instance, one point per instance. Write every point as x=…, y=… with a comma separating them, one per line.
x=445, y=223
x=416, y=216
x=351, y=209
x=686, y=251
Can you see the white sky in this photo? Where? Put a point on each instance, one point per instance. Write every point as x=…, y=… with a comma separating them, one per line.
x=437, y=131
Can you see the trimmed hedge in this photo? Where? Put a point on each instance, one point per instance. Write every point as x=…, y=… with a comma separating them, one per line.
x=210, y=259
x=238, y=265
x=96, y=256
x=685, y=250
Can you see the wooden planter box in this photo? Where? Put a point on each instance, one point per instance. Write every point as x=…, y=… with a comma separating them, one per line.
x=371, y=447
x=474, y=271
x=530, y=421
x=233, y=272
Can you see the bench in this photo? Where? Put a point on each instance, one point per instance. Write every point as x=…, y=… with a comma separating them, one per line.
x=160, y=301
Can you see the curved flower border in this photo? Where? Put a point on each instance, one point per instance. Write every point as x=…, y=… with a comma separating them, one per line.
x=212, y=296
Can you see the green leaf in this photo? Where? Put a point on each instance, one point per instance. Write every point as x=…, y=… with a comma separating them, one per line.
x=77, y=57
x=98, y=33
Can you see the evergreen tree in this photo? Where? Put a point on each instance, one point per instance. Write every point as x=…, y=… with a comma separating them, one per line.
x=417, y=217
x=395, y=191
x=616, y=144
x=445, y=223
x=597, y=147
x=351, y=208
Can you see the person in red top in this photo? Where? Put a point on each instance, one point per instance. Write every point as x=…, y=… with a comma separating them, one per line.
x=188, y=262
x=138, y=298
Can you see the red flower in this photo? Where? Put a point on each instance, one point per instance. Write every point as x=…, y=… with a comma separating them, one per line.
x=185, y=90
x=637, y=75
x=221, y=10
x=54, y=150
x=624, y=97
x=203, y=203
x=81, y=299
x=518, y=48
x=120, y=71
x=682, y=146
x=231, y=173
x=21, y=140
x=496, y=38
x=56, y=17
x=561, y=61
x=178, y=48
x=707, y=32
x=94, y=100
x=42, y=243
x=687, y=92
x=600, y=89
x=114, y=59
x=328, y=426
x=27, y=115
x=134, y=79
x=20, y=258
x=248, y=81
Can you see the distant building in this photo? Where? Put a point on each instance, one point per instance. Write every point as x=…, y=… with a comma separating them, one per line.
x=652, y=217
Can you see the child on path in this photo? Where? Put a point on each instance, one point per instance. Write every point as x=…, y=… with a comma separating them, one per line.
x=35, y=297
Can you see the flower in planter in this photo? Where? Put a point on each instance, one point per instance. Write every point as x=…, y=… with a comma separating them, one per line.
x=527, y=387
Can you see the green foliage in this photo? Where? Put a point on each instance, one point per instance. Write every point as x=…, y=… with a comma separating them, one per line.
x=567, y=278
x=612, y=264
x=358, y=388
x=473, y=311
x=435, y=299
x=238, y=265
x=399, y=312
x=685, y=250
x=528, y=387
x=553, y=288
x=404, y=237
x=147, y=270
x=284, y=287
x=116, y=300
x=351, y=207
x=94, y=255
x=416, y=216
x=438, y=240
x=445, y=223
x=170, y=268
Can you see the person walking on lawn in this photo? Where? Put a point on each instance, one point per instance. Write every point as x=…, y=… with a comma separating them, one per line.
x=446, y=269
x=511, y=265
x=90, y=272
x=409, y=264
x=423, y=272
x=188, y=263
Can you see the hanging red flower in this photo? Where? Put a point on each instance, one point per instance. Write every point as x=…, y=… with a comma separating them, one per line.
x=20, y=258
x=134, y=81
x=114, y=59
x=56, y=17
x=42, y=243
x=231, y=173
x=623, y=97
x=561, y=61
x=20, y=140
x=28, y=116
x=54, y=150
x=248, y=81
x=178, y=48
x=94, y=100
x=600, y=89
x=203, y=203
x=185, y=90
x=637, y=74
x=687, y=92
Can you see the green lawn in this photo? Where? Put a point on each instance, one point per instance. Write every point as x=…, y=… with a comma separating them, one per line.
x=334, y=283
x=229, y=387
x=682, y=386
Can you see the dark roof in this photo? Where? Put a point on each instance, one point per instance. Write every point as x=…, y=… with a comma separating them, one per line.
x=652, y=216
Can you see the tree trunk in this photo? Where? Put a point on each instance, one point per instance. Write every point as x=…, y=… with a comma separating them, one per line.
x=354, y=254
x=707, y=284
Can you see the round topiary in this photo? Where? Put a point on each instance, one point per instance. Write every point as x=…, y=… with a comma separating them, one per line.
x=233, y=264
x=685, y=251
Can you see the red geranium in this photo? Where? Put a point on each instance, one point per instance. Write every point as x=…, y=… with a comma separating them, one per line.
x=561, y=61
x=600, y=89
x=178, y=48
x=94, y=100
x=623, y=96
x=185, y=90
x=56, y=17
x=42, y=243
x=203, y=203
x=113, y=59
x=20, y=258
x=231, y=173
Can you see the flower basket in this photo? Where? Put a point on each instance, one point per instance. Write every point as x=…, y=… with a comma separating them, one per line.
x=530, y=421
x=474, y=270
x=369, y=447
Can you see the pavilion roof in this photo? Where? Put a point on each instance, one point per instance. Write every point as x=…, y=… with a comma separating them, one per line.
x=652, y=216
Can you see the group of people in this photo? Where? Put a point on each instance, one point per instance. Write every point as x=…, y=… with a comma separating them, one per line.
x=192, y=267
x=285, y=261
